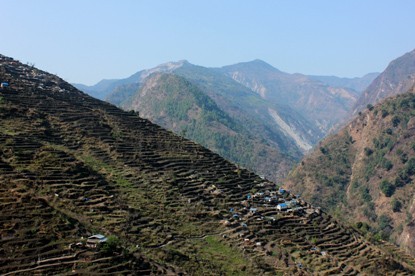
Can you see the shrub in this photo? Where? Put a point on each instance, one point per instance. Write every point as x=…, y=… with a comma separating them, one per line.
x=410, y=167
x=111, y=245
x=384, y=113
x=368, y=151
x=396, y=205
x=396, y=121
x=370, y=213
x=387, y=188
x=404, y=158
x=324, y=150
x=385, y=227
x=402, y=179
x=387, y=164
x=370, y=107
x=365, y=194
x=363, y=227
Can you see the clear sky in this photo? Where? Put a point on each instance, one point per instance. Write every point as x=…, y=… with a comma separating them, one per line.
x=87, y=40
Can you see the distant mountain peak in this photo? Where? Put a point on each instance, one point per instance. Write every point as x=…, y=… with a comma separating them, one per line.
x=397, y=78
x=172, y=65
x=167, y=67
x=256, y=64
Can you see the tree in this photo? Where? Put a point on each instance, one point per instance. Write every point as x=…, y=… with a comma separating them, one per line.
x=368, y=151
x=396, y=121
x=111, y=245
x=387, y=188
x=396, y=205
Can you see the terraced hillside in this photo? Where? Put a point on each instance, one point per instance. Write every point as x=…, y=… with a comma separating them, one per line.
x=72, y=166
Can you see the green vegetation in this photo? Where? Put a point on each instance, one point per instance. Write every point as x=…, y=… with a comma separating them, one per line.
x=368, y=151
x=365, y=193
x=387, y=188
x=104, y=168
x=383, y=160
x=385, y=227
x=396, y=121
x=112, y=245
x=230, y=260
x=387, y=164
x=396, y=205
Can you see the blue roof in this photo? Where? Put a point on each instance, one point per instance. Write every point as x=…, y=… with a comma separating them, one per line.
x=98, y=236
x=283, y=205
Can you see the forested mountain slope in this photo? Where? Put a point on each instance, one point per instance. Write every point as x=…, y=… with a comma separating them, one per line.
x=366, y=172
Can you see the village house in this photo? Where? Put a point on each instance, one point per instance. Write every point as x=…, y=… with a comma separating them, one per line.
x=282, y=207
x=95, y=240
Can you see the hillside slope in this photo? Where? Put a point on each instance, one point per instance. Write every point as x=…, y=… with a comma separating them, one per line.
x=281, y=125
x=397, y=78
x=265, y=137
x=71, y=166
x=322, y=104
x=365, y=173
x=178, y=105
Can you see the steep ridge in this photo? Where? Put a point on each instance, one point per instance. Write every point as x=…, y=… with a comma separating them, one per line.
x=178, y=105
x=397, y=78
x=365, y=173
x=324, y=105
x=267, y=138
x=71, y=166
x=241, y=102
x=106, y=88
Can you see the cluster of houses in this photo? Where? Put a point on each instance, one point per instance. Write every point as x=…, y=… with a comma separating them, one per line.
x=280, y=201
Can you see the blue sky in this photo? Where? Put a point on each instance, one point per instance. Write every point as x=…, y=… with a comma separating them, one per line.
x=87, y=40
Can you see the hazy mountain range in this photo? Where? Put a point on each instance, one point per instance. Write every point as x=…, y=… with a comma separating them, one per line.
x=273, y=117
